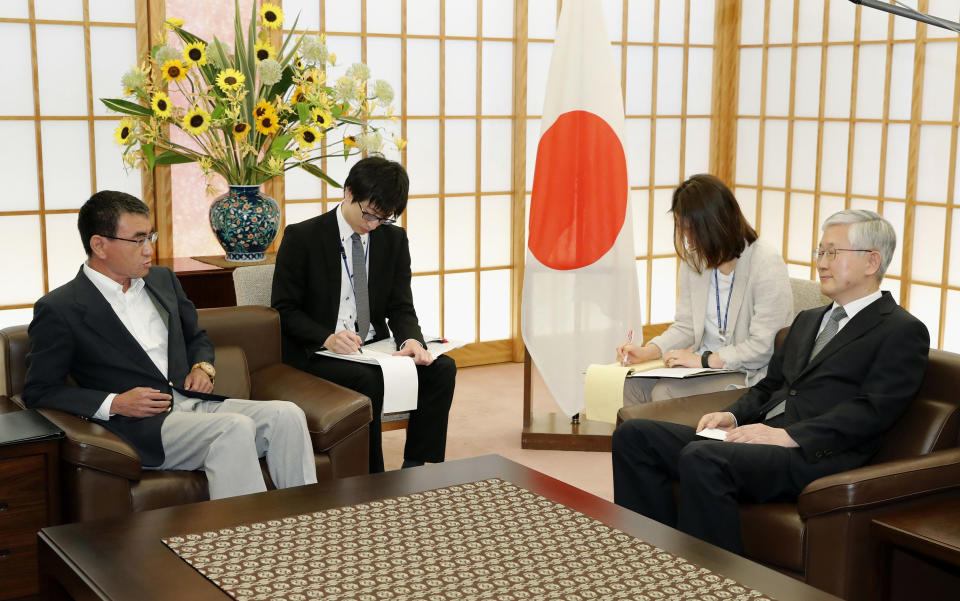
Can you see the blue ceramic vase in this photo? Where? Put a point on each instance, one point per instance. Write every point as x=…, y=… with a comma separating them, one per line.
x=245, y=221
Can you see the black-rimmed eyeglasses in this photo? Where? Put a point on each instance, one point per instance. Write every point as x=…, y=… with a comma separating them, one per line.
x=831, y=253
x=151, y=238
x=367, y=216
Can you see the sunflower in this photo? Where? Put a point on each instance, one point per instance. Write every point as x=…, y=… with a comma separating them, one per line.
x=161, y=105
x=123, y=134
x=263, y=50
x=263, y=108
x=350, y=142
x=322, y=118
x=298, y=96
x=298, y=63
x=230, y=79
x=174, y=22
x=271, y=15
x=173, y=70
x=267, y=123
x=307, y=137
x=195, y=54
x=196, y=121
x=240, y=131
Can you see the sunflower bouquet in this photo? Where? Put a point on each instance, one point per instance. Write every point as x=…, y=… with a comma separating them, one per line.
x=253, y=111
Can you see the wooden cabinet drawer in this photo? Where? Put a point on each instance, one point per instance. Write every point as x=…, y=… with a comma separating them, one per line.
x=23, y=493
x=18, y=564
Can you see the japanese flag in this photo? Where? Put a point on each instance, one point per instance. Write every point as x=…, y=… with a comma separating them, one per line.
x=580, y=296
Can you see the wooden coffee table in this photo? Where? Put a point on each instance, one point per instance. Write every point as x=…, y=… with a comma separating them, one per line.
x=125, y=558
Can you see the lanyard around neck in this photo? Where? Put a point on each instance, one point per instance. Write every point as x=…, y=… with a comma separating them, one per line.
x=722, y=323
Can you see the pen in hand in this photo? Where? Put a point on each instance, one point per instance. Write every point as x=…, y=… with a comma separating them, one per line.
x=623, y=360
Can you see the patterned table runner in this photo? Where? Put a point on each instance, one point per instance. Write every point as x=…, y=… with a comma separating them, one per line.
x=487, y=540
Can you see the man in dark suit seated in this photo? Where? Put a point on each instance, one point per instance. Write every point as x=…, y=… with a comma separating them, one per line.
x=340, y=279
x=128, y=336
x=843, y=376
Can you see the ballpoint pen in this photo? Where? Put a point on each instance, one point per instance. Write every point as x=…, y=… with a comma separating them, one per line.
x=623, y=361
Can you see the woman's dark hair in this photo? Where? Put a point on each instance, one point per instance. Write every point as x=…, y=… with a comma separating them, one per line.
x=381, y=181
x=706, y=212
x=101, y=214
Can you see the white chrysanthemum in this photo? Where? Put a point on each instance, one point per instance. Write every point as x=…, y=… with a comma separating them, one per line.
x=370, y=141
x=134, y=79
x=269, y=71
x=166, y=53
x=359, y=71
x=313, y=50
x=213, y=54
x=346, y=89
x=383, y=91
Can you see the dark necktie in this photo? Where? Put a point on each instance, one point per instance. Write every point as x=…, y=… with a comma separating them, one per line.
x=829, y=331
x=360, y=287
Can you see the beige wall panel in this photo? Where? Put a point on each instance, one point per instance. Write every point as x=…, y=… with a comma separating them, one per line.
x=460, y=306
x=662, y=222
x=459, y=225
x=781, y=25
x=383, y=16
x=669, y=81
x=640, y=205
x=751, y=80
x=61, y=71
x=874, y=24
x=663, y=295
x=494, y=305
x=384, y=60
x=638, y=151
x=871, y=65
x=497, y=78
x=772, y=217
x=748, y=141
x=833, y=162
x=940, y=65
x=613, y=16
x=15, y=317
x=801, y=227
x=803, y=171
x=696, y=156
x=20, y=178
x=423, y=223
x=951, y=326
x=496, y=155
x=666, y=168
x=301, y=211
x=953, y=278
x=751, y=21
x=839, y=81
x=640, y=20
x=426, y=298
x=461, y=18
x=867, y=142
x=538, y=65
x=65, y=10
x=460, y=160
x=929, y=226
x=23, y=277
x=423, y=156
x=807, y=88
x=639, y=86
x=901, y=81
x=308, y=12
x=342, y=16
x=460, y=77
x=810, y=21
x=495, y=227
x=775, y=153
x=842, y=20
x=894, y=212
x=702, y=21
x=747, y=199
x=423, y=82
x=15, y=9
x=113, y=51
x=533, y=139
x=112, y=173
x=300, y=185
x=423, y=17
x=933, y=163
x=65, y=252
x=898, y=145
x=672, y=18
x=778, y=82
x=66, y=172
x=16, y=100
x=498, y=18
x=699, y=80
x=541, y=19
x=925, y=305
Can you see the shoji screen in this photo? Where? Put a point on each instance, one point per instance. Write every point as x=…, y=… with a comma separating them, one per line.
x=57, y=138
x=847, y=107
x=665, y=49
x=451, y=67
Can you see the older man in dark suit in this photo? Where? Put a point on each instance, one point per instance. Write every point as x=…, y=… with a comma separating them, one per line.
x=128, y=336
x=342, y=279
x=844, y=375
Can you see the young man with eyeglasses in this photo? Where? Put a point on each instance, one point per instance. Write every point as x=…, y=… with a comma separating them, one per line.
x=126, y=333
x=843, y=376
x=342, y=279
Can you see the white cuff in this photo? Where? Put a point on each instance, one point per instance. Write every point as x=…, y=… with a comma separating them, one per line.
x=103, y=413
x=735, y=424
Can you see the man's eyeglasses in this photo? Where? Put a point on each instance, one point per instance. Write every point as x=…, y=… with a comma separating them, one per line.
x=367, y=216
x=151, y=238
x=831, y=253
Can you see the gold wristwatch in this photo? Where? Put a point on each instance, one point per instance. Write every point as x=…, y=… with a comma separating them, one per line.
x=207, y=368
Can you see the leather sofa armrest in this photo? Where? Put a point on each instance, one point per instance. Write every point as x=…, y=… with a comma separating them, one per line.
x=882, y=483
x=333, y=412
x=90, y=445
x=682, y=410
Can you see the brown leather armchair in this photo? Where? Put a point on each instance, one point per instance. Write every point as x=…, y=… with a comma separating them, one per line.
x=102, y=475
x=824, y=538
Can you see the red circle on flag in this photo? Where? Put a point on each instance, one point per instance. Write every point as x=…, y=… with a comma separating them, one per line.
x=579, y=192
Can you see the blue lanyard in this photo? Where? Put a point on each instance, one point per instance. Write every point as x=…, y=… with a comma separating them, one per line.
x=722, y=324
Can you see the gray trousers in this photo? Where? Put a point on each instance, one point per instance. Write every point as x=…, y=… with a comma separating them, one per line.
x=646, y=390
x=226, y=440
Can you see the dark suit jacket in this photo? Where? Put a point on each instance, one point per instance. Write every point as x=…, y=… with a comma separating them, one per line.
x=76, y=333
x=306, y=286
x=853, y=391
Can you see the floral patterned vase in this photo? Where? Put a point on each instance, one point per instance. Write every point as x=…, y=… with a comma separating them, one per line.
x=245, y=221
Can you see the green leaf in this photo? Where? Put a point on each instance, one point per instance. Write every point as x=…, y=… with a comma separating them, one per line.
x=148, y=152
x=170, y=157
x=351, y=120
x=288, y=57
x=315, y=171
x=126, y=107
x=280, y=142
x=303, y=111
x=281, y=154
x=218, y=112
x=280, y=88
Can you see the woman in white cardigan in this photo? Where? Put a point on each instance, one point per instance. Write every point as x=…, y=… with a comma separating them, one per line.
x=734, y=295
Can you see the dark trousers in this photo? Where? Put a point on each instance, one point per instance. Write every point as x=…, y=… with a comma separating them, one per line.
x=427, y=428
x=714, y=477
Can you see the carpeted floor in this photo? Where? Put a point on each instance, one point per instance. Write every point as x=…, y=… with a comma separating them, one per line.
x=487, y=417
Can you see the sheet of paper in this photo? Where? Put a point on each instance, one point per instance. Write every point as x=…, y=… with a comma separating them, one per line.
x=399, y=383
x=714, y=433
x=375, y=350
x=678, y=372
x=604, y=391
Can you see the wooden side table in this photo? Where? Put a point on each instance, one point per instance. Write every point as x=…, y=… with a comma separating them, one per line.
x=205, y=285
x=29, y=501
x=930, y=537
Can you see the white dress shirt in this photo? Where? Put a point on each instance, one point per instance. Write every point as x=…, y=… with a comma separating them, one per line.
x=139, y=316
x=347, y=315
x=852, y=308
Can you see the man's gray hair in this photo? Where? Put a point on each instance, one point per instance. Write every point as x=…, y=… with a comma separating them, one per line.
x=868, y=230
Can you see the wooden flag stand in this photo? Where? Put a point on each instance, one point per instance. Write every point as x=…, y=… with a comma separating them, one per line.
x=557, y=432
